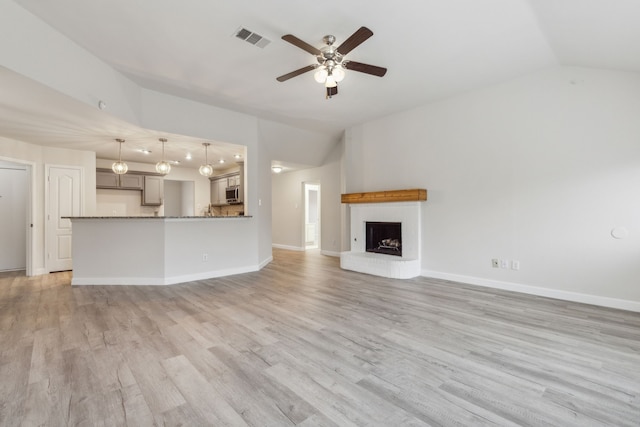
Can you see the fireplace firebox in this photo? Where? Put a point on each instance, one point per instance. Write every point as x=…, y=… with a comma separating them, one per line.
x=384, y=237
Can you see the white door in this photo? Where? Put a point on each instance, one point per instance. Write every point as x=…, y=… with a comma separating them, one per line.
x=64, y=200
x=13, y=212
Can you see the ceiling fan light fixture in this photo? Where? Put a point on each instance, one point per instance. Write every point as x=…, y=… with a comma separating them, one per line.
x=330, y=82
x=331, y=62
x=321, y=75
x=338, y=74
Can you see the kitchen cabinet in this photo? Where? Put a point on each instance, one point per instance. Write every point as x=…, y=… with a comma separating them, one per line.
x=105, y=178
x=131, y=181
x=153, y=191
x=219, y=186
x=218, y=191
x=152, y=185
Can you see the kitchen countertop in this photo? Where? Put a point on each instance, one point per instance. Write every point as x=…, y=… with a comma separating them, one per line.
x=159, y=217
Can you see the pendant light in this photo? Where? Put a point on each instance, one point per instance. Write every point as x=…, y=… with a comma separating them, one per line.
x=119, y=167
x=162, y=166
x=206, y=169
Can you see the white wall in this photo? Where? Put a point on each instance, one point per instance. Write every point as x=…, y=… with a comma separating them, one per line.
x=539, y=169
x=179, y=198
x=288, y=205
x=34, y=49
x=36, y=157
x=297, y=146
x=110, y=202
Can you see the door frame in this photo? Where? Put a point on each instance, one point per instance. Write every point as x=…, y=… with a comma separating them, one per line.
x=305, y=204
x=31, y=201
x=47, y=226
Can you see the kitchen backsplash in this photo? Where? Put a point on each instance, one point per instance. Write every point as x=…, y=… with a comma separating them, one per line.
x=227, y=210
x=123, y=203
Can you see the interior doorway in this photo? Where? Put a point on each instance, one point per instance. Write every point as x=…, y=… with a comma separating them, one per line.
x=311, y=216
x=14, y=207
x=179, y=198
x=21, y=201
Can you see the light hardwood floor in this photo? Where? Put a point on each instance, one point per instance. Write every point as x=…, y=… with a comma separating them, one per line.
x=304, y=343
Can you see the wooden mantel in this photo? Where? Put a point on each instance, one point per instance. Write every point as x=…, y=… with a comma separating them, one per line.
x=414, y=195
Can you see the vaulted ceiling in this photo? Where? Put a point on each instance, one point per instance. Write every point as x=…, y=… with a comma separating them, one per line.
x=433, y=49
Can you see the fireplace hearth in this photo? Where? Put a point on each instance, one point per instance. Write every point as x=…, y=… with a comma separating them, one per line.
x=384, y=238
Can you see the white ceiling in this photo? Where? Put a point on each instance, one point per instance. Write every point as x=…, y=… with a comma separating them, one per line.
x=432, y=49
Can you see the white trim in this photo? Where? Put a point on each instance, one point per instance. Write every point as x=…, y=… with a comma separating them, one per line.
x=47, y=189
x=264, y=263
x=536, y=290
x=330, y=253
x=287, y=247
x=31, y=220
x=160, y=281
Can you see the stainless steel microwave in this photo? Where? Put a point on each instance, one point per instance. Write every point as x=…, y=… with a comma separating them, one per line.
x=232, y=194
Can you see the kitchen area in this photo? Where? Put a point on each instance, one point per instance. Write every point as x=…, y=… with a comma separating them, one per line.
x=143, y=192
x=161, y=229
x=227, y=193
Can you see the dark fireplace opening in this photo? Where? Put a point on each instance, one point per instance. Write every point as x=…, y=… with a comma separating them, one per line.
x=384, y=238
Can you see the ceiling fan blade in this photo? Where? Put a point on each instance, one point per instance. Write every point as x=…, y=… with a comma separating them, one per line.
x=355, y=40
x=364, y=68
x=296, y=73
x=302, y=45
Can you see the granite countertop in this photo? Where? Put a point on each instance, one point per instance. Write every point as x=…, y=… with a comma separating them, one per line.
x=158, y=217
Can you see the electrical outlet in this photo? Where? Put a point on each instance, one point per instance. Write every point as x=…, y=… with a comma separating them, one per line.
x=205, y=257
x=515, y=265
x=504, y=263
x=494, y=263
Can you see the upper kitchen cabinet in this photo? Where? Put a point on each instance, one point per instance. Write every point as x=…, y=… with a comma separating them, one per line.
x=105, y=178
x=131, y=182
x=153, y=191
x=218, y=195
x=152, y=185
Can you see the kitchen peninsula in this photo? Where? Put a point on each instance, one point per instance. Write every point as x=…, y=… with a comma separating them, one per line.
x=161, y=250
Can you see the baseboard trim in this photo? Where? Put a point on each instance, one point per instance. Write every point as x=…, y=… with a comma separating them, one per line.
x=161, y=281
x=287, y=247
x=330, y=253
x=264, y=263
x=538, y=291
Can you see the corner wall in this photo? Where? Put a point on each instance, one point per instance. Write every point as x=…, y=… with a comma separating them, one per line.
x=539, y=170
x=288, y=205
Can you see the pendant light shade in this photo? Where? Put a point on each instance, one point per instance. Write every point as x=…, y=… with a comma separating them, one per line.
x=206, y=169
x=162, y=166
x=119, y=167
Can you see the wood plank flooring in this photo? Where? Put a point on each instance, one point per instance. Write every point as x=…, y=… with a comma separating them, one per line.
x=304, y=343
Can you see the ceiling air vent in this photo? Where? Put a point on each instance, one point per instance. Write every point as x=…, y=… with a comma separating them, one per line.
x=251, y=37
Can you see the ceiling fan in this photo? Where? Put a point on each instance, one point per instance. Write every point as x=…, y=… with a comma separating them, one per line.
x=331, y=60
